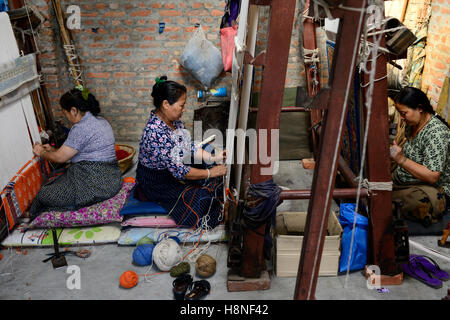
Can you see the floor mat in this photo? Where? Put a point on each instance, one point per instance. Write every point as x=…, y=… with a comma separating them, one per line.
x=108, y=233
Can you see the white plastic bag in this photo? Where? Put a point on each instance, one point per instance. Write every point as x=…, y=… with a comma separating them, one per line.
x=202, y=59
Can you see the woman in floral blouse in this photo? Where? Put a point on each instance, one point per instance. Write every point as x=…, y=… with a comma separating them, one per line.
x=422, y=175
x=191, y=196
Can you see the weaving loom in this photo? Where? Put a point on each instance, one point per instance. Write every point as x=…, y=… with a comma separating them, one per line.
x=22, y=189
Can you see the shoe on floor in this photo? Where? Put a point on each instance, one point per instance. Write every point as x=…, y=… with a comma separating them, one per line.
x=199, y=289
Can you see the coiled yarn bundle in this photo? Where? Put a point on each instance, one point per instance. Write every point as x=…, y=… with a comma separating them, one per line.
x=128, y=279
x=166, y=254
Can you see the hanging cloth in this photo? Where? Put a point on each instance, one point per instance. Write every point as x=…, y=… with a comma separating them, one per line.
x=232, y=9
x=260, y=207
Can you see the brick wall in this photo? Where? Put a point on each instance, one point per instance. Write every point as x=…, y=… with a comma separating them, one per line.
x=122, y=53
x=437, y=63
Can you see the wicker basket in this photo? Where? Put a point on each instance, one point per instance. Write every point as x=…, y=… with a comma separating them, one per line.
x=127, y=162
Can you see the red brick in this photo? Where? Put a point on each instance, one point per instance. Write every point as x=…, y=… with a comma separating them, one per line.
x=216, y=13
x=440, y=65
x=96, y=45
x=101, y=75
x=124, y=45
x=149, y=29
x=170, y=6
x=112, y=14
x=141, y=13
x=88, y=14
x=152, y=61
x=197, y=5
x=169, y=13
x=124, y=74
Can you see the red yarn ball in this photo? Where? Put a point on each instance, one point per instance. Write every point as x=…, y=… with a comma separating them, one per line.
x=128, y=279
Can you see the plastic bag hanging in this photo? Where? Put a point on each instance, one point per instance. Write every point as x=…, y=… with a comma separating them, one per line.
x=202, y=59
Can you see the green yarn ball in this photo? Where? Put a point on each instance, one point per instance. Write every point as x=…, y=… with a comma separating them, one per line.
x=179, y=269
x=144, y=240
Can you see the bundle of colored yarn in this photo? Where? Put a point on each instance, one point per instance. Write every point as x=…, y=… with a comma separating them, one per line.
x=128, y=279
x=142, y=255
x=166, y=254
x=145, y=240
x=179, y=269
x=205, y=265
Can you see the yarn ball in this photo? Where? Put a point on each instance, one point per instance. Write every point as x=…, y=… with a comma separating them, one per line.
x=205, y=265
x=142, y=255
x=166, y=254
x=176, y=239
x=128, y=279
x=179, y=269
x=144, y=240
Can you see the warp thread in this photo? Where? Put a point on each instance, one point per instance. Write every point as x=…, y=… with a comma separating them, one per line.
x=128, y=279
x=166, y=254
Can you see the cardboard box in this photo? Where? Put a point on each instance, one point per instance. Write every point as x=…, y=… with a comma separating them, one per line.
x=288, y=242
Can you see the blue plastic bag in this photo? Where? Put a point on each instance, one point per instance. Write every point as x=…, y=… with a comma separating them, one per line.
x=359, y=252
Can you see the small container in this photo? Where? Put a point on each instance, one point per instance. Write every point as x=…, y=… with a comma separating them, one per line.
x=219, y=92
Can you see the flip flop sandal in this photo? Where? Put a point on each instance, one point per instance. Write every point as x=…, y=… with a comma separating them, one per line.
x=418, y=272
x=199, y=289
x=431, y=266
x=180, y=286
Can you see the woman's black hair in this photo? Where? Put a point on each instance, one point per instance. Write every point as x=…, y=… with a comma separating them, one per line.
x=74, y=98
x=416, y=99
x=168, y=90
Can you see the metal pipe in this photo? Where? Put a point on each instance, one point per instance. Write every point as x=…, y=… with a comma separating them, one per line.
x=343, y=193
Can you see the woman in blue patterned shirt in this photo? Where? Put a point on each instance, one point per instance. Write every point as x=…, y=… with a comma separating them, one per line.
x=191, y=196
x=422, y=175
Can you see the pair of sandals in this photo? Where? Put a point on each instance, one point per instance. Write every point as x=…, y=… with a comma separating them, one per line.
x=185, y=282
x=426, y=270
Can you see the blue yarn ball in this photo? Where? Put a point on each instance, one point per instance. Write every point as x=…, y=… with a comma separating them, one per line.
x=176, y=239
x=142, y=255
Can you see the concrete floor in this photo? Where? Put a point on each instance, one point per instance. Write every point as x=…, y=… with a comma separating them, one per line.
x=25, y=277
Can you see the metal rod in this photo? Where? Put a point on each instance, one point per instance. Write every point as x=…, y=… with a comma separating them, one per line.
x=344, y=193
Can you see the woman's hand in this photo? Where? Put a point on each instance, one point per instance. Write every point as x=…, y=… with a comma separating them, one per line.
x=218, y=171
x=220, y=157
x=39, y=149
x=396, y=153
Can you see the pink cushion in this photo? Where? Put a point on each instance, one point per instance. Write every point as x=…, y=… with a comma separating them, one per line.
x=152, y=221
x=100, y=213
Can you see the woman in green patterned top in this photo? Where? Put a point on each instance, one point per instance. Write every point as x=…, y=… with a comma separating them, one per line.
x=422, y=175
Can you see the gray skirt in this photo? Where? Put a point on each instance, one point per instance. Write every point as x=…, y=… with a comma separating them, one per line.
x=82, y=184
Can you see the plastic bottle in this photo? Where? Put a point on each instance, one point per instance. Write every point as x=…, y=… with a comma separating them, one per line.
x=219, y=92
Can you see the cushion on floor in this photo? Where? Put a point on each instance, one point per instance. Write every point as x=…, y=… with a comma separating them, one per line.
x=100, y=213
x=135, y=207
x=149, y=221
x=130, y=236
x=77, y=236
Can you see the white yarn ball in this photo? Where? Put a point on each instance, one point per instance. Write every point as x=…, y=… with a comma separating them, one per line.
x=166, y=254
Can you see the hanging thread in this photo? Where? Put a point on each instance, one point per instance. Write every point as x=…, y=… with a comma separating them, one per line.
x=368, y=104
